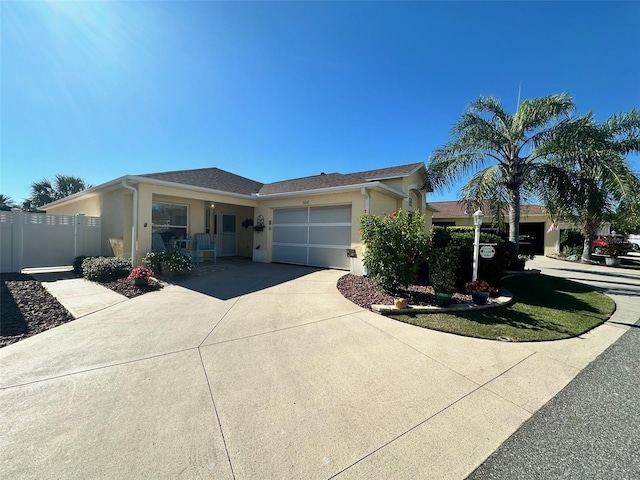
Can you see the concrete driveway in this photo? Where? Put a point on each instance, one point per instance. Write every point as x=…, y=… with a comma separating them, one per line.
x=266, y=371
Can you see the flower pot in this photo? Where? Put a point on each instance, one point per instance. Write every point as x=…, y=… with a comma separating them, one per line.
x=443, y=299
x=480, y=298
x=612, y=261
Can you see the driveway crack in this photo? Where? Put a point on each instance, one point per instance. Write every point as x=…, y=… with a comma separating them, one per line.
x=215, y=409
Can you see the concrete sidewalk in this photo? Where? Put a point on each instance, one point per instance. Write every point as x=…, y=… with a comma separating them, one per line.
x=78, y=295
x=266, y=371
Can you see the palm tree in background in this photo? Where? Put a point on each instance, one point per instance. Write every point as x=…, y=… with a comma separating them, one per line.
x=501, y=152
x=6, y=203
x=44, y=191
x=588, y=177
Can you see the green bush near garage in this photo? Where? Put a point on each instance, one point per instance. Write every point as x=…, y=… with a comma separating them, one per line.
x=105, y=269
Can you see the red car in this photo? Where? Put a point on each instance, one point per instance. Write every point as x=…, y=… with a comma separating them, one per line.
x=601, y=242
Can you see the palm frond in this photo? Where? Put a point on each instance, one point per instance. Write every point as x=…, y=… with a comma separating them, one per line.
x=542, y=112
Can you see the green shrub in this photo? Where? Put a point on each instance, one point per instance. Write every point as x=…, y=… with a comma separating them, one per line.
x=459, y=250
x=172, y=261
x=105, y=269
x=77, y=264
x=152, y=260
x=396, y=246
x=461, y=229
x=571, y=237
x=440, y=237
x=443, y=269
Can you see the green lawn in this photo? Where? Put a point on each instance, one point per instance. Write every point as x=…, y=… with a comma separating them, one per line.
x=544, y=308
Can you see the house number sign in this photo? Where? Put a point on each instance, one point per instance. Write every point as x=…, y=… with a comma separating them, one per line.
x=487, y=251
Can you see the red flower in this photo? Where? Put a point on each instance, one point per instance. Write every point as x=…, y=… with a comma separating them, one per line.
x=393, y=214
x=409, y=259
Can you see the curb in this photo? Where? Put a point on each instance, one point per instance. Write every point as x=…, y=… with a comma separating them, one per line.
x=504, y=299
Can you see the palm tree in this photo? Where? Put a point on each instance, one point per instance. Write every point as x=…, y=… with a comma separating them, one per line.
x=44, y=191
x=500, y=150
x=6, y=203
x=588, y=176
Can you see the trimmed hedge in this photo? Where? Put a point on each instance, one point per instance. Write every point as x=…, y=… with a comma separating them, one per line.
x=456, y=259
x=461, y=229
x=105, y=269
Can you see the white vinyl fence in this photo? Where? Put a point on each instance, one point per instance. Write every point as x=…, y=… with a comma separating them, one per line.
x=29, y=240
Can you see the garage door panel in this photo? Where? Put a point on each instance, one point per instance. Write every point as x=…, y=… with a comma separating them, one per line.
x=328, y=257
x=330, y=235
x=317, y=236
x=333, y=214
x=290, y=234
x=290, y=254
x=291, y=215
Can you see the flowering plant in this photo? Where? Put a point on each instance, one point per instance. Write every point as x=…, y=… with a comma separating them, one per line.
x=478, y=286
x=396, y=246
x=140, y=272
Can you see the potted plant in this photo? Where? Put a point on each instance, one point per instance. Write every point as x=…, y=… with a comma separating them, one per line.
x=480, y=291
x=140, y=275
x=176, y=263
x=612, y=251
x=443, y=279
x=443, y=288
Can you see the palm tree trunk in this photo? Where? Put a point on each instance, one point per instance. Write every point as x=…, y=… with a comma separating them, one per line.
x=513, y=245
x=589, y=232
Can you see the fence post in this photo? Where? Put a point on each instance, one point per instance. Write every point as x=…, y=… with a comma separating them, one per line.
x=78, y=237
x=17, y=249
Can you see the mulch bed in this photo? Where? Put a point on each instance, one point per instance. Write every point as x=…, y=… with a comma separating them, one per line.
x=27, y=309
x=364, y=292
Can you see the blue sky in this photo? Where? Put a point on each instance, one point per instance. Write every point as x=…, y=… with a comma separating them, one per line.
x=278, y=90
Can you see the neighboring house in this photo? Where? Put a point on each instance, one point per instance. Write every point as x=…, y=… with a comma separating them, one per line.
x=538, y=234
x=308, y=221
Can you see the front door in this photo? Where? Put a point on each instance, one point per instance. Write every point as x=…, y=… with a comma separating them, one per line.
x=228, y=236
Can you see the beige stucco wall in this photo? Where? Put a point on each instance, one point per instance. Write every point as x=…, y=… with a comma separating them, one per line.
x=114, y=209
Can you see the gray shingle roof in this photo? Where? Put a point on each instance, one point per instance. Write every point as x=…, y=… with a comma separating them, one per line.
x=212, y=178
x=217, y=179
x=330, y=180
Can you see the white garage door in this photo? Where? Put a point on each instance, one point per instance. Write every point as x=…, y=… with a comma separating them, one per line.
x=316, y=236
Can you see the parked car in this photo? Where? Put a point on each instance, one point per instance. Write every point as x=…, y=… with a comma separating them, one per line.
x=601, y=242
x=634, y=240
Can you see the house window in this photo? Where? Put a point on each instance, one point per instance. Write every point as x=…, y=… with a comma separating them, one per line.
x=169, y=220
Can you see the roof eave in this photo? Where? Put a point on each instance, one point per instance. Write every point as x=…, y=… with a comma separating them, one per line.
x=329, y=190
x=399, y=175
x=184, y=186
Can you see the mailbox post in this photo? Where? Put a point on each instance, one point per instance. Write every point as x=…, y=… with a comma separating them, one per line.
x=477, y=222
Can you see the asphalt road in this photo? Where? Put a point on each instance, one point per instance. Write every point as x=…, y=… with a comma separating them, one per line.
x=590, y=430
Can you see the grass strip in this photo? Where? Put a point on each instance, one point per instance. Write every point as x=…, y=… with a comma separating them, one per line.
x=544, y=308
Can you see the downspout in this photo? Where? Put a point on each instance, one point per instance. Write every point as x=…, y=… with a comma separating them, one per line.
x=134, y=226
x=363, y=190
x=367, y=208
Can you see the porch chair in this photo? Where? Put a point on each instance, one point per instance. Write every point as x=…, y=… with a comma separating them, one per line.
x=157, y=243
x=204, y=244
